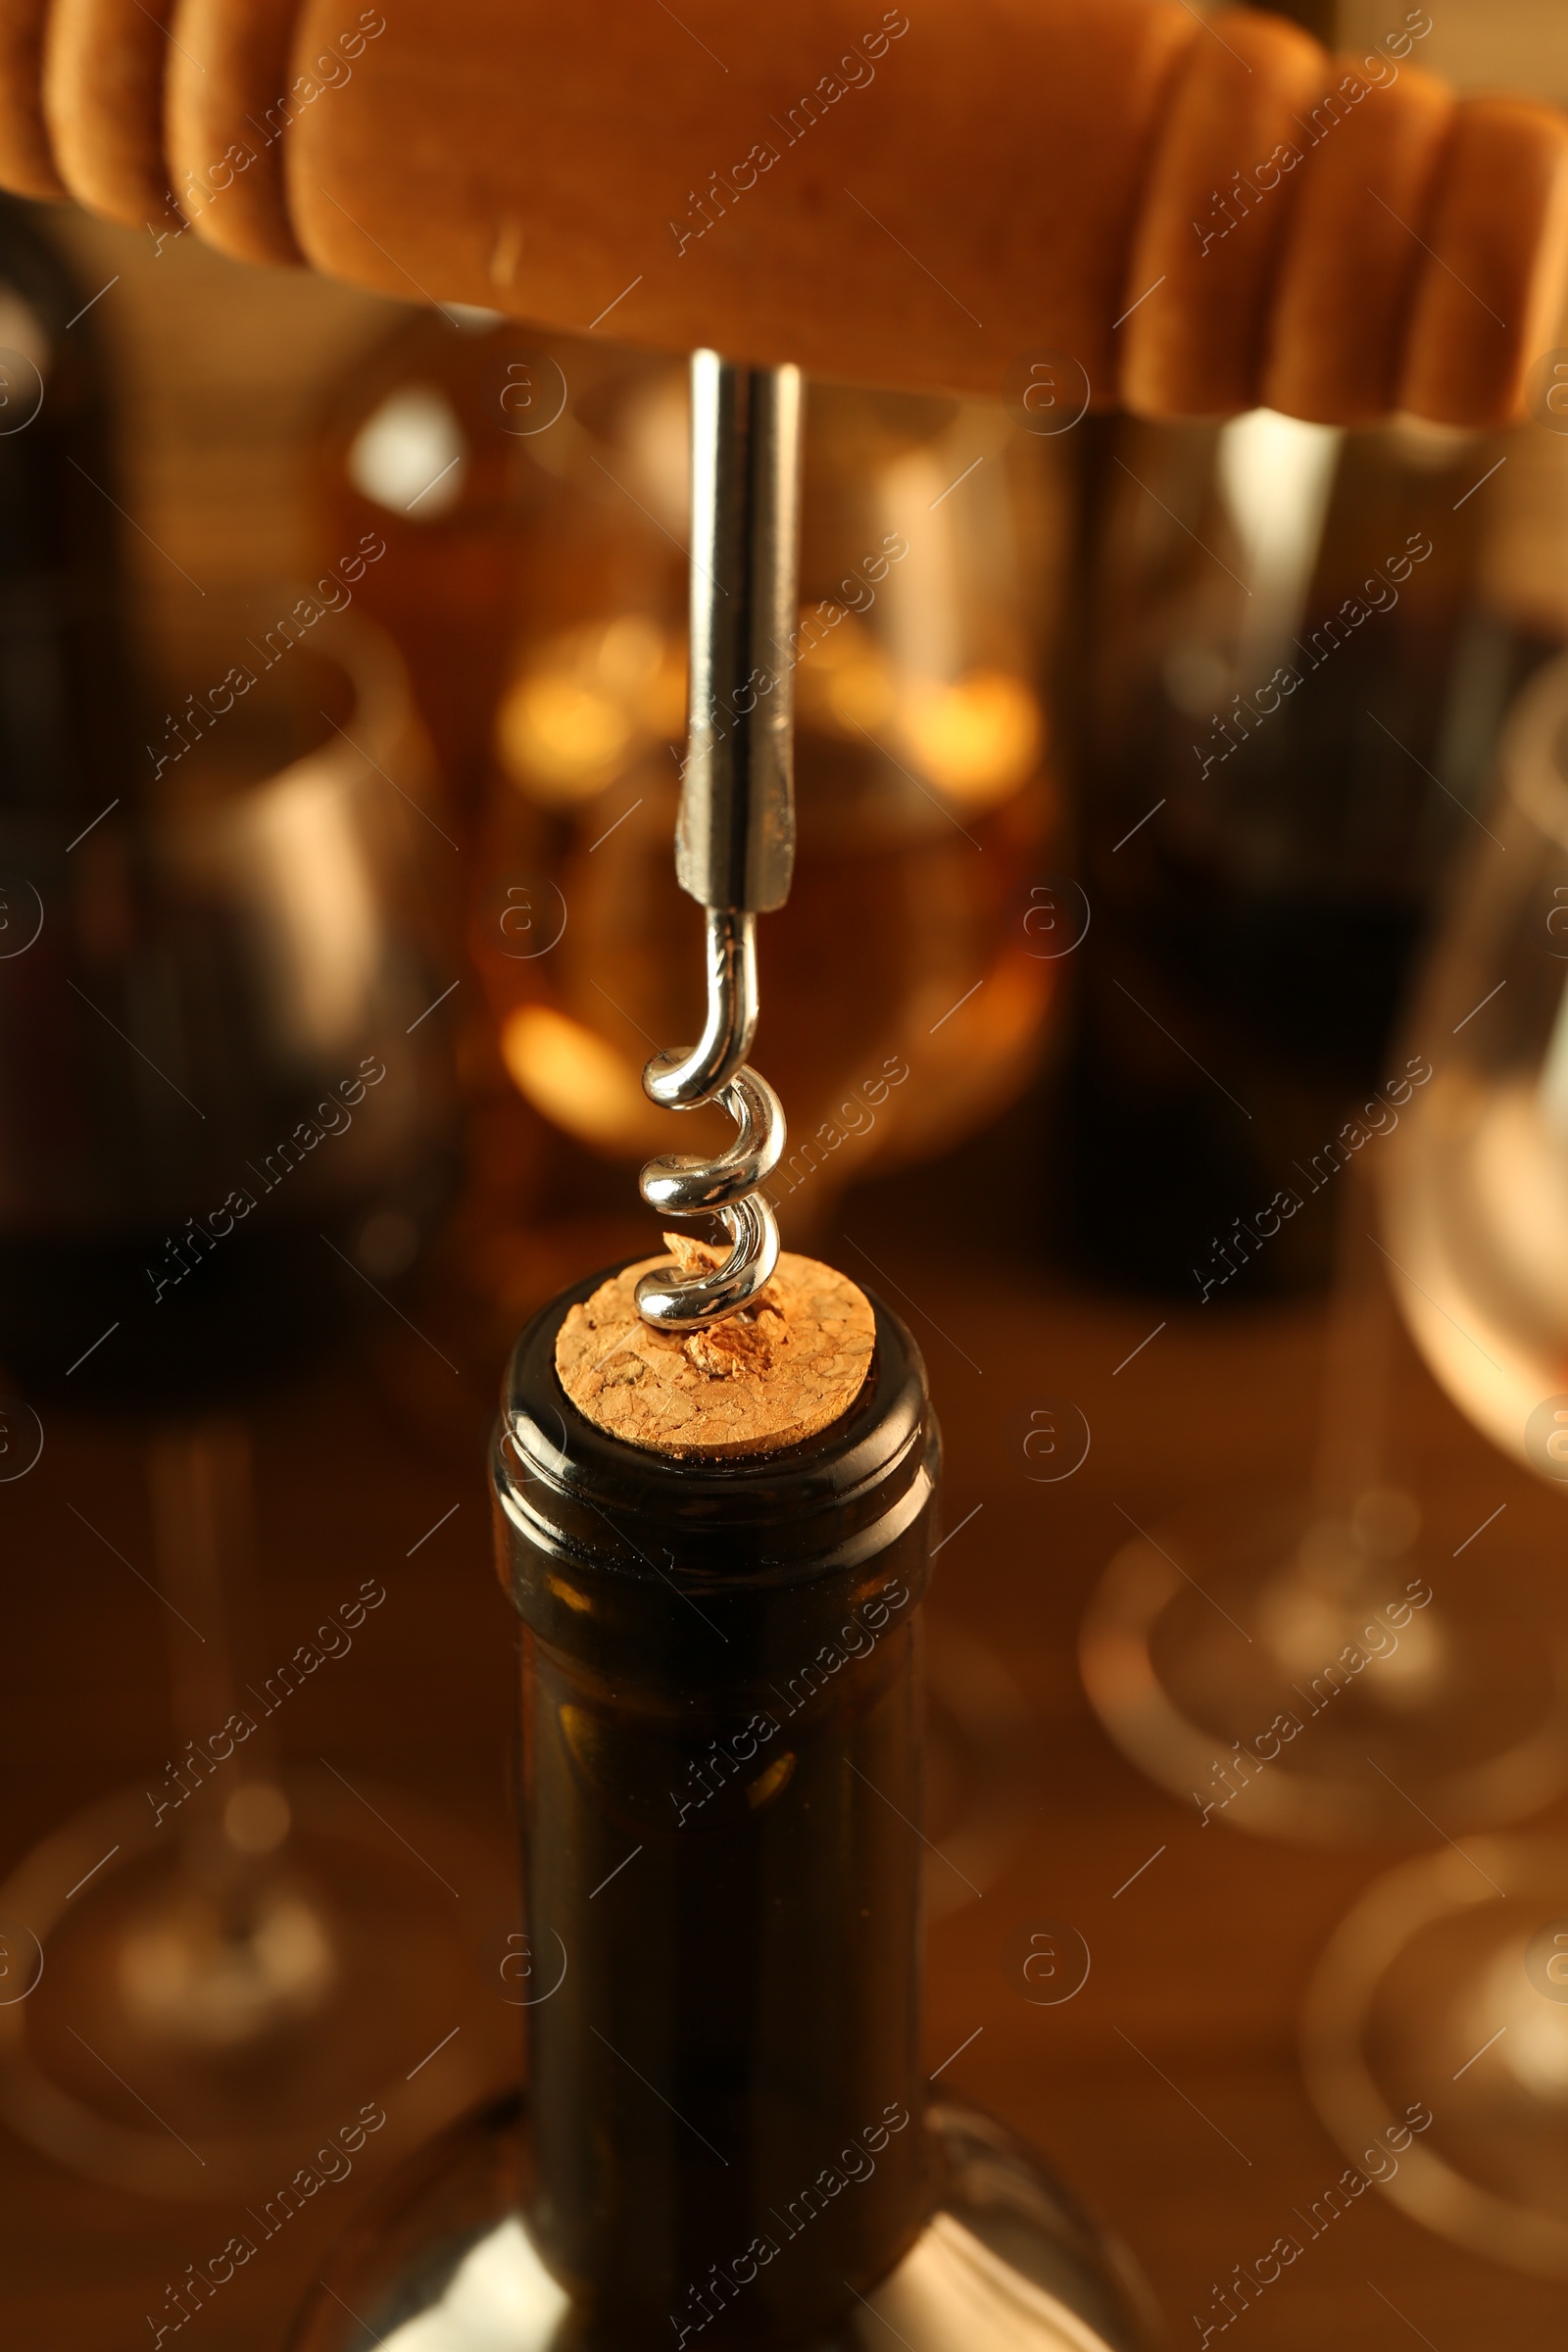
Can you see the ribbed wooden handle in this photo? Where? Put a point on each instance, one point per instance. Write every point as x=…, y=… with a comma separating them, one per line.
x=1201, y=215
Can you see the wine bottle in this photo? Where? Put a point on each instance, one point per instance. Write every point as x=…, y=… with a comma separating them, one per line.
x=727, y=2138
x=66, y=718
x=1298, y=645
x=1284, y=740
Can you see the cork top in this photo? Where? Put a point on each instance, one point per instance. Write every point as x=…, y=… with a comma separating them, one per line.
x=778, y=1372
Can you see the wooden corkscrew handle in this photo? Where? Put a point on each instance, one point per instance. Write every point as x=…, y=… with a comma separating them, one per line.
x=1201, y=215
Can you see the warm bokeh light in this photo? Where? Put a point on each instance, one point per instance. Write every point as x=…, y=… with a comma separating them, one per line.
x=410, y=456
x=569, y=1074
x=562, y=740
x=587, y=700
x=978, y=740
x=843, y=683
x=592, y=698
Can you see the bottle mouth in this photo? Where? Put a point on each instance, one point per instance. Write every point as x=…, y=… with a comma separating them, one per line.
x=588, y=1500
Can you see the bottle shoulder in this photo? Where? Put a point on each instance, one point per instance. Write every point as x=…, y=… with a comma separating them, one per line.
x=445, y=2262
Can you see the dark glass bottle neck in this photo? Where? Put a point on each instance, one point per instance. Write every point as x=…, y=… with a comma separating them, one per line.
x=721, y=1786
x=66, y=716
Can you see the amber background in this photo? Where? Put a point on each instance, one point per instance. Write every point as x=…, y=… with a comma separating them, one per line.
x=1168, y=2090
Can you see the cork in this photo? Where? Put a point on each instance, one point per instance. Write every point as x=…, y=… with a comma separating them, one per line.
x=779, y=1371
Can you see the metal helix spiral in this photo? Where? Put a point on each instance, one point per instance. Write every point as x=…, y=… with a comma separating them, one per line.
x=729, y=1186
x=735, y=842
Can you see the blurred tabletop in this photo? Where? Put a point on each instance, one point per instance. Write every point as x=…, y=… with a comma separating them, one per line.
x=1167, y=2092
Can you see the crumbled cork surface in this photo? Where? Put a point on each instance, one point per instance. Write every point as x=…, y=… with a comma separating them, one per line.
x=777, y=1372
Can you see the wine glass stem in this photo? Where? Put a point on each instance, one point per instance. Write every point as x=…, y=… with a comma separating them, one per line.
x=199, y=1473
x=1352, y=1415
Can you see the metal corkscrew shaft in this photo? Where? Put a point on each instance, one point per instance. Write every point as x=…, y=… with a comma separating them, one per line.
x=735, y=839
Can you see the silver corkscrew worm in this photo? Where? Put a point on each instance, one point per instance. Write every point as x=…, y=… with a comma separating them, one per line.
x=735, y=839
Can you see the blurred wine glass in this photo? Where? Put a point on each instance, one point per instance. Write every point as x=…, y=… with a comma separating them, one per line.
x=1312, y=677
x=228, y=1127
x=1312, y=1664
x=1296, y=647
x=1476, y=1180
x=1448, y=1982
x=901, y=1003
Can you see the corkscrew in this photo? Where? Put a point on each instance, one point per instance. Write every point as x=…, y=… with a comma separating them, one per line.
x=735, y=837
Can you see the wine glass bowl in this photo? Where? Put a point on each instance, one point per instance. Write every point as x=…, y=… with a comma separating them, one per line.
x=905, y=999
x=221, y=1087
x=1271, y=799
x=1476, y=1177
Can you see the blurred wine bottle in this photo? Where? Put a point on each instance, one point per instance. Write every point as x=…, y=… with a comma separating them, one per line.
x=439, y=440
x=1293, y=651
x=224, y=1099
x=1298, y=646
x=66, y=716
